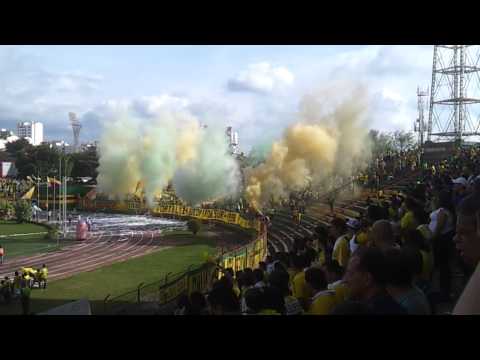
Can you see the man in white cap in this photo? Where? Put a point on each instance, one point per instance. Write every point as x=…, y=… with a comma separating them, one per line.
x=459, y=190
x=353, y=226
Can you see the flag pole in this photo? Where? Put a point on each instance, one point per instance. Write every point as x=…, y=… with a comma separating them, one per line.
x=54, y=183
x=60, y=190
x=38, y=191
x=48, y=185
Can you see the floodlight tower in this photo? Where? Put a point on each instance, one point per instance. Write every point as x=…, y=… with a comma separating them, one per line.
x=455, y=93
x=76, y=127
x=420, y=121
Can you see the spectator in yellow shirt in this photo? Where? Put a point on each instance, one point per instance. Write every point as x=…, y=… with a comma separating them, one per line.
x=323, y=300
x=341, y=247
x=410, y=220
x=334, y=276
x=299, y=286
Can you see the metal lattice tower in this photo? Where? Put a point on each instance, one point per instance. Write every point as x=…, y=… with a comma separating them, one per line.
x=420, y=125
x=76, y=126
x=455, y=93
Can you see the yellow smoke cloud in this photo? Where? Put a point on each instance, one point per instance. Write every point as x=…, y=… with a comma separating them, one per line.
x=327, y=140
x=188, y=141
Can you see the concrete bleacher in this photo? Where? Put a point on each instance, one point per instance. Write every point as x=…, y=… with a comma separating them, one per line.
x=284, y=230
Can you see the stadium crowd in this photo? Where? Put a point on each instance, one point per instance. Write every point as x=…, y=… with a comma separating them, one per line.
x=400, y=258
x=13, y=188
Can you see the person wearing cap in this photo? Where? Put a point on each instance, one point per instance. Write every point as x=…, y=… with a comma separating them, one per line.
x=353, y=226
x=459, y=190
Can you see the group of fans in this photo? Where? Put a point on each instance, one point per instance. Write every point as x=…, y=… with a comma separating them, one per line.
x=11, y=188
x=400, y=258
x=20, y=286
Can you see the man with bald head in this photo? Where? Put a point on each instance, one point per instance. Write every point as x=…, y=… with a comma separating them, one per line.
x=382, y=236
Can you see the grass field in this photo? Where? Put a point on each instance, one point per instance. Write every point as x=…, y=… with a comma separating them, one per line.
x=24, y=245
x=118, y=278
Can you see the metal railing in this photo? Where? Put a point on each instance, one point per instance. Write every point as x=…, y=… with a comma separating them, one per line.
x=160, y=293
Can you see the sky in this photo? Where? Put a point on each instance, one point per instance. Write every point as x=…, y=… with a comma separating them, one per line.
x=255, y=89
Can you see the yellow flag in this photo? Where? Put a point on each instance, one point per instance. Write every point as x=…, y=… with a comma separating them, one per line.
x=138, y=190
x=28, y=195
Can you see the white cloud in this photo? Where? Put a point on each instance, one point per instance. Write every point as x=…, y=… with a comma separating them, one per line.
x=261, y=78
x=151, y=105
x=30, y=91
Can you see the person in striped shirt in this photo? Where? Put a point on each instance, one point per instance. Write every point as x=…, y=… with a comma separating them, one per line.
x=280, y=279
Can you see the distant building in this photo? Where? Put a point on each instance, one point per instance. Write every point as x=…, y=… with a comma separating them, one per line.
x=89, y=146
x=32, y=131
x=4, y=134
x=60, y=145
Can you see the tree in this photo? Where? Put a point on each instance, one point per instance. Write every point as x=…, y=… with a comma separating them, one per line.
x=85, y=164
x=382, y=143
x=4, y=156
x=403, y=140
x=194, y=226
x=23, y=211
x=20, y=146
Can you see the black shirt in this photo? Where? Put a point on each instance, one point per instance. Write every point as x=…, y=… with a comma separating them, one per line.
x=384, y=304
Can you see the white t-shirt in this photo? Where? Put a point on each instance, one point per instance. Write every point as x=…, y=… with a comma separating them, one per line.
x=434, y=220
x=353, y=245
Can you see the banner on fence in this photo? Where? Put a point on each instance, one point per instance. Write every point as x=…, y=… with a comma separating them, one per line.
x=228, y=217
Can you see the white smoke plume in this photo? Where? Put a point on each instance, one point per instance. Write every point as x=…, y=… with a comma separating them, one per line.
x=172, y=147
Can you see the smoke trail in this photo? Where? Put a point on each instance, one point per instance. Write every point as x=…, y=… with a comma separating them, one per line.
x=212, y=174
x=171, y=147
x=330, y=138
x=118, y=164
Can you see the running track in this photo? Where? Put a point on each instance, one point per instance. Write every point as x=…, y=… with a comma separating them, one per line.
x=100, y=250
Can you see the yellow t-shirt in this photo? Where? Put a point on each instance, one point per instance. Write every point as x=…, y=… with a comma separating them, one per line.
x=391, y=213
x=362, y=238
x=341, y=291
x=408, y=221
x=44, y=272
x=341, y=251
x=299, y=286
x=17, y=281
x=236, y=290
x=268, y=312
x=427, y=265
x=292, y=272
x=321, y=257
x=322, y=303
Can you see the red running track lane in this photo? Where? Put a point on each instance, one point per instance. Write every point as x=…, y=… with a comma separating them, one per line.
x=96, y=252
